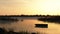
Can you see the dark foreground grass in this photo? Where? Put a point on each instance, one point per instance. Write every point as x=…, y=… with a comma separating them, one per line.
x=3, y=31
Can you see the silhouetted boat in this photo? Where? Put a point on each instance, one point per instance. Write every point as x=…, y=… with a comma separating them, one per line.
x=41, y=25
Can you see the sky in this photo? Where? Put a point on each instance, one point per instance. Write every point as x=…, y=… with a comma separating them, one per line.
x=30, y=7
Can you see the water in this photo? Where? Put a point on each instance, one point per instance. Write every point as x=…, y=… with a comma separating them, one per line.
x=29, y=25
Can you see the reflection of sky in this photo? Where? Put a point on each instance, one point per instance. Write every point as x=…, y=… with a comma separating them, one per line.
x=30, y=7
x=29, y=25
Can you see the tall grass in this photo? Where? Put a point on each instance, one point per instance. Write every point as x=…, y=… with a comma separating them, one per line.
x=3, y=31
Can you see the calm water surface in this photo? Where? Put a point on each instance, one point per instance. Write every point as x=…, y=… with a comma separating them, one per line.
x=29, y=25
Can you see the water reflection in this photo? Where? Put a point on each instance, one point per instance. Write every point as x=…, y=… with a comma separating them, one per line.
x=29, y=25
x=4, y=20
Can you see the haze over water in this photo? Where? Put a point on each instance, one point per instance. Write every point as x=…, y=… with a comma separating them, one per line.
x=29, y=25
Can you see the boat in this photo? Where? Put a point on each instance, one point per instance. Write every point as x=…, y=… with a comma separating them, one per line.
x=41, y=25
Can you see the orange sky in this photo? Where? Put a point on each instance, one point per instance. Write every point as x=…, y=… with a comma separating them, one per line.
x=30, y=7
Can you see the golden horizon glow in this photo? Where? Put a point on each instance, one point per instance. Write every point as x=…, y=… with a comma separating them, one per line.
x=29, y=7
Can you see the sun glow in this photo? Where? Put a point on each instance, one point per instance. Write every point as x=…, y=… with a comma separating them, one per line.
x=30, y=7
x=51, y=7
